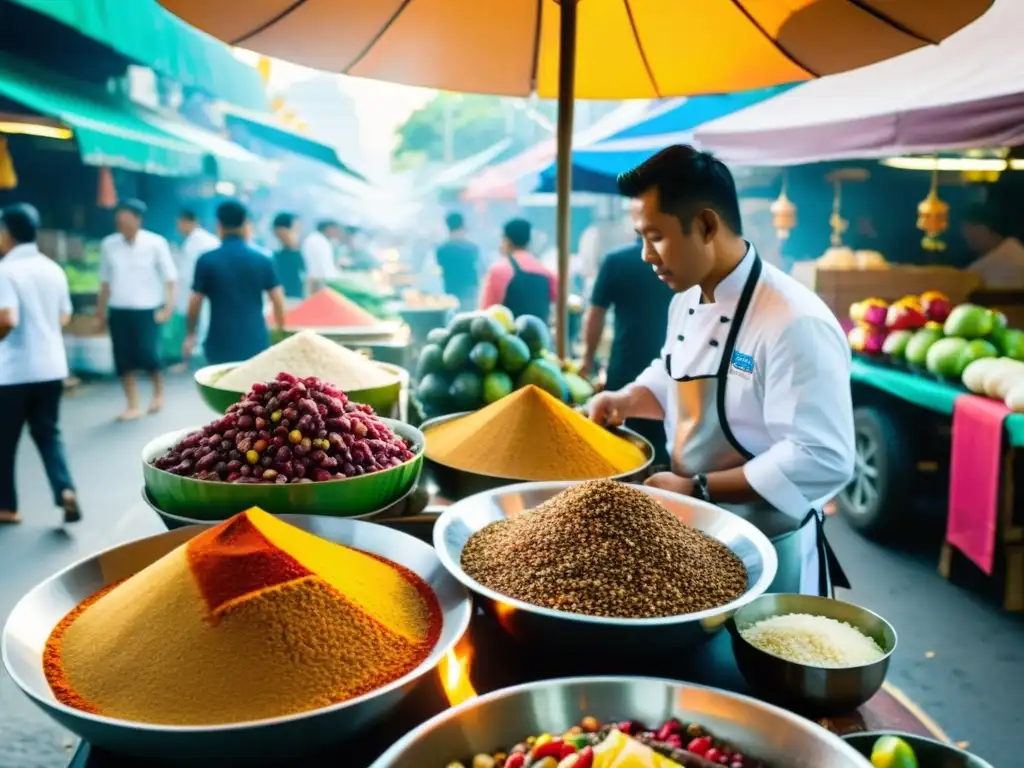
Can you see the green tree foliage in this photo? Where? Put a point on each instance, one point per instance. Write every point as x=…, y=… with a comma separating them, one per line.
x=476, y=123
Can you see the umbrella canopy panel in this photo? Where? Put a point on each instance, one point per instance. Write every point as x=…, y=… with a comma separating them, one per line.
x=626, y=48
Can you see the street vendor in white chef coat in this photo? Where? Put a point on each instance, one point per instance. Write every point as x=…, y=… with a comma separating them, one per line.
x=753, y=381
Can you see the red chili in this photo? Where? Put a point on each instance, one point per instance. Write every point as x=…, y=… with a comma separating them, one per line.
x=584, y=759
x=516, y=760
x=549, y=749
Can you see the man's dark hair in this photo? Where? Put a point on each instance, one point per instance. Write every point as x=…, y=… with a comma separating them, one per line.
x=231, y=214
x=455, y=221
x=133, y=205
x=517, y=231
x=687, y=180
x=187, y=214
x=284, y=220
x=324, y=224
x=21, y=221
x=987, y=216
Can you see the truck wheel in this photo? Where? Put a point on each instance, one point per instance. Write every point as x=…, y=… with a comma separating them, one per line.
x=877, y=498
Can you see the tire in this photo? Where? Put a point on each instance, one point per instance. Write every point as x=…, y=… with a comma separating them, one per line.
x=876, y=501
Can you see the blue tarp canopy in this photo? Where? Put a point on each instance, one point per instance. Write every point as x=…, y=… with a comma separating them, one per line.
x=595, y=167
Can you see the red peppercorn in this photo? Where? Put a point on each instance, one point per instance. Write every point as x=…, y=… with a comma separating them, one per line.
x=713, y=754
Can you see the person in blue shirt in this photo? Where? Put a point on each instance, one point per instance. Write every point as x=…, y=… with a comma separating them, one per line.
x=233, y=278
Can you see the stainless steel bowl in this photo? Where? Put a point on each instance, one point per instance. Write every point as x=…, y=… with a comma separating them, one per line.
x=38, y=612
x=815, y=690
x=455, y=484
x=498, y=720
x=531, y=623
x=929, y=752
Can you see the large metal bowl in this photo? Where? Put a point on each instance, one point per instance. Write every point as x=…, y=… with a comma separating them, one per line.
x=385, y=400
x=349, y=497
x=802, y=687
x=544, y=626
x=38, y=612
x=498, y=720
x=455, y=484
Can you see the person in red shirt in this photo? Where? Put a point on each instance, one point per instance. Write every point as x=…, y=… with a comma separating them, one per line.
x=519, y=281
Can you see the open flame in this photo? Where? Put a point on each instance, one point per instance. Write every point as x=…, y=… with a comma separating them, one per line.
x=454, y=672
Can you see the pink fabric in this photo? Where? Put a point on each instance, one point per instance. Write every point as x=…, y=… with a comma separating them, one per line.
x=974, y=486
x=500, y=275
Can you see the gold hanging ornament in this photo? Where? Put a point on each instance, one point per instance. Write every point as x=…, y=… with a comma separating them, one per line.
x=836, y=221
x=783, y=213
x=933, y=216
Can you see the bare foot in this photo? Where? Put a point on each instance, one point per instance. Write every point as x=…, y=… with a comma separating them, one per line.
x=9, y=518
x=156, y=406
x=130, y=415
x=69, y=503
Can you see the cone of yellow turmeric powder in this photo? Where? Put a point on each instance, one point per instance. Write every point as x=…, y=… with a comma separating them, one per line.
x=531, y=436
x=250, y=619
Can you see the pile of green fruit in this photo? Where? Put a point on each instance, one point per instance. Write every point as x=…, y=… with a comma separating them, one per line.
x=970, y=333
x=483, y=356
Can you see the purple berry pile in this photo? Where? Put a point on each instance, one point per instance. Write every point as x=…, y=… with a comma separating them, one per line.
x=289, y=430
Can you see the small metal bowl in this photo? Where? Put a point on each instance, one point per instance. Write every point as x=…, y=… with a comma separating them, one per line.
x=37, y=613
x=929, y=752
x=805, y=688
x=544, y=626
x=455, y=484
x=495, y=722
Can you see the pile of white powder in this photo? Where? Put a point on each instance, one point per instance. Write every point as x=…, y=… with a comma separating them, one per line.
x=309, y=354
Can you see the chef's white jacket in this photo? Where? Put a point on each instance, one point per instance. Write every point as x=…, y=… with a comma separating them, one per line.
x=788, y=399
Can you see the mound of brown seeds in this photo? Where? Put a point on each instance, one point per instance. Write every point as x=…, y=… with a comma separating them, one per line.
x=602, y=548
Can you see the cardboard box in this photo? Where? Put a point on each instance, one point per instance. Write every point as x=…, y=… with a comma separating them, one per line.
x=839, y=288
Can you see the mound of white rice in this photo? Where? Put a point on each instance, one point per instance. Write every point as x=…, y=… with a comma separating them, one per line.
x=309, y=354
x=816, y=641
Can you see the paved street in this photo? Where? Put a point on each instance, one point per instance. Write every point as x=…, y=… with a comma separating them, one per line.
x=960, y=657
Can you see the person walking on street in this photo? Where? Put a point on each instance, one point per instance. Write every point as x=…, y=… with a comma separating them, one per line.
x=196, y=240
x=753, y=380
x=459, y=261
x=35, y=304
x=137, y=282
x=318, y=253
x=288, y=262
x=640, y=301
x=519, y=281
x=234, y=279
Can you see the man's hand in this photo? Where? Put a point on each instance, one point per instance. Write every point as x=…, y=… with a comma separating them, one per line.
x=188, y=347
x=609, y=408
x=669, y=481
x=163, y=315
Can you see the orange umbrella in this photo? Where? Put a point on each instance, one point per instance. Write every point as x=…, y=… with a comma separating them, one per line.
x=594, y=49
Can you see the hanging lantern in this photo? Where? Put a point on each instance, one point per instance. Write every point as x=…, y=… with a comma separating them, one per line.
x=8, y=176
x=783, y=213
x=836, y=221
x=106, y=192
x=933, y=216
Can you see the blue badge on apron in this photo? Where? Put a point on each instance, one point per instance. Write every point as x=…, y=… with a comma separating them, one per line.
x=742, y=365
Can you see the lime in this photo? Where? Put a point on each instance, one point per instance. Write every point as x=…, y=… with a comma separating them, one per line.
x=893, y=752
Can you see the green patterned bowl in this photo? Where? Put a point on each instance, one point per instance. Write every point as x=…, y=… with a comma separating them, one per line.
x=384, y=400
x=351, y=497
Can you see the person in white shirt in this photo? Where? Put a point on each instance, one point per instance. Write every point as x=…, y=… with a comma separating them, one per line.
x=35, y=304
x=1001, y=264
x=319, y=255
x=753, y=381
x=137, y=282
x=195, y=241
